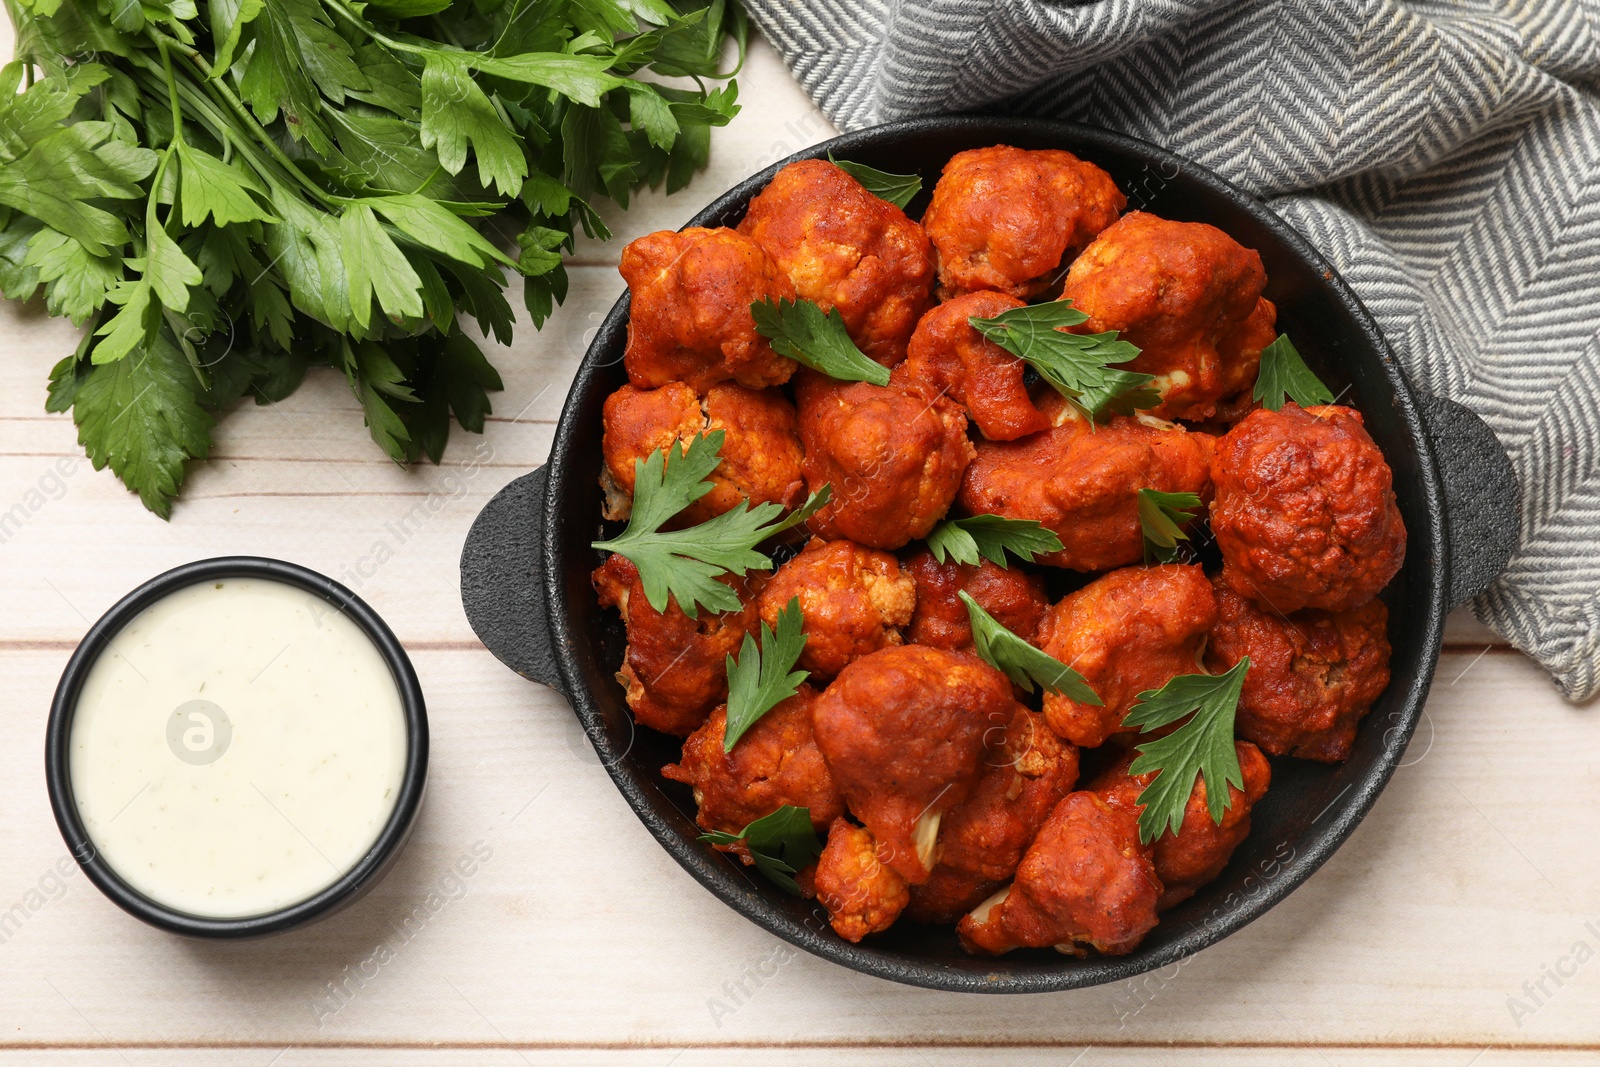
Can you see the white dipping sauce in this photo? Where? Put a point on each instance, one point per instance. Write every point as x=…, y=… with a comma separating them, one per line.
x=246, y=810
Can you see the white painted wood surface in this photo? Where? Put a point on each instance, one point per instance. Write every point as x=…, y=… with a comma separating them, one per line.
x=579, y=941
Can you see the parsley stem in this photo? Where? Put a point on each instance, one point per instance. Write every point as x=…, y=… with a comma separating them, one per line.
x=225, y=132
x=152, y=223
x=367, y=28
x=172, y=92
x=237, y=106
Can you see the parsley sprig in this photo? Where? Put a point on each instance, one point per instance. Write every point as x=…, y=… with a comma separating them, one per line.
x=762, y=677
x=1201, y=746
x=1022, y=662
x=781, y=844
x=225, y=193
x=1078, y=366
x=979, y=537
x=799, y=329
x=1284, y=373
x=898, y=189
x=685, y=564
x=1162, y=517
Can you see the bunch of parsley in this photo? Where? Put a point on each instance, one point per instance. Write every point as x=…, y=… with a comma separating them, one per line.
x=227, y=192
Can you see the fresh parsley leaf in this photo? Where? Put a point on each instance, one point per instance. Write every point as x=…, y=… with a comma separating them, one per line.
x=75, y=281
x=18, y=278
x=799, y=329
x=375, y=265
x=166, y=275
x=762, y=678
x=898, y=189
x=167, y=270
x=1203, y=745
x=142, y=416
x=228, y=20
x=685, y=564
x=287, y=39
x=584, y=79
x=660, y=493
x=1162, y=517
x=781, y=844
x=435, y=227
x=1022, y=662
x=990, y=537
x=1078, y=366
x=1284, y=373
x=377, y=381
x=211, y=187
x=131, y=326
x=456, y=114
x=55, y=180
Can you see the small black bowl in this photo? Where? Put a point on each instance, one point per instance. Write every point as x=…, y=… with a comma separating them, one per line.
x=355, y=882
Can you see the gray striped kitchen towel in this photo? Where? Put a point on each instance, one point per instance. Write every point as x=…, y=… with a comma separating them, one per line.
x=1444, y=154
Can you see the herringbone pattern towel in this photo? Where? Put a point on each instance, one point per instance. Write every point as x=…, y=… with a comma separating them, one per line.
x=1444, y=154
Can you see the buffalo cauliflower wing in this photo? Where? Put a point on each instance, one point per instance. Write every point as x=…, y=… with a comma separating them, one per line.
x=1131, y=630
x=863, y=894
x=853, y=601
x=1083, y=483
x=844, y=248
x=981, y=840
x=775, y=762
x=1005, y=219
x=690, y=318
x=951, y=357
x=1188, y=295
x=760, y=448
x=892, y=455
x=905, y=731
x=1013, y=596
x=1085, y=881
x=1196, y=854
x=1313, y=674
x=673, y=670
x=1304, y=512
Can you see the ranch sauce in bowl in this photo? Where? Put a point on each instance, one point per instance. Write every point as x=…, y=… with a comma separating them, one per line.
x=236, y=748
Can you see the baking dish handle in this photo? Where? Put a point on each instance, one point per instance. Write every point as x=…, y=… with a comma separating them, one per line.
x=1482, y=495
x=502, y=587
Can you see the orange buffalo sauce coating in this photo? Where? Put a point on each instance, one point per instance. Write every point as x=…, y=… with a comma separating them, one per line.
x=1086, y=882
x=1131, y=630
x=775, y=762
x=1313, y=674
x=1188, y=295
x=690, y=317
x=949, y=355
x=1083, y=484
x=853, y=601
x=1014, y=597
x=1005, y=219
x=905, y=731
x=1196, y=854
x=893, y=456
x=981, y=840
x=673, y=670
x=844, y=248
x=863, y=894
x=1304, y=512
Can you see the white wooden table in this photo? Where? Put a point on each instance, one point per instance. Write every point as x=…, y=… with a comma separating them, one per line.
x=579, y=941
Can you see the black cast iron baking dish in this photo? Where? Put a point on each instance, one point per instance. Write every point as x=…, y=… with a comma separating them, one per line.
x=356, y=881
x=525, y=574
